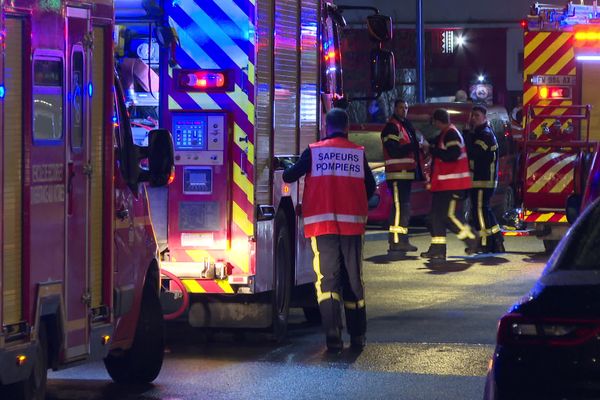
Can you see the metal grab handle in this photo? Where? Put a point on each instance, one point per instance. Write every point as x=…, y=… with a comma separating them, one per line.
x=123, y=213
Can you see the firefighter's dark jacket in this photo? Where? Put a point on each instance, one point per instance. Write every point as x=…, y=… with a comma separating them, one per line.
x=451, y=152
x=397, y=150
x=482, y=149
x=303, y=166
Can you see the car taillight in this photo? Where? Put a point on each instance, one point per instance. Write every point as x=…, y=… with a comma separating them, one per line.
x=518, y=329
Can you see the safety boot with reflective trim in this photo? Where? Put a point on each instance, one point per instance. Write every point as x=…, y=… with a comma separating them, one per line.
x=435, y=252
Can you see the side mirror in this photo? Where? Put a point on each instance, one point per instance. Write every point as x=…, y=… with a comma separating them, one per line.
x=160, y=157
x=380, y=27
x=383, y=70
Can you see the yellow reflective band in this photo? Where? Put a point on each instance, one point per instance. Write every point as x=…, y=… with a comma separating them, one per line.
x=495, y=229
x=454, y=143
x=316, y=266
x=397, y=213
x=398, y=229
x=494, y=148
x=464, y=230
x=438, y=240
x=480, y=217
x=328, y=296
x=391, y=137
x=482, y=144
x=399, y=175
x=485, y=184
x=353, y=305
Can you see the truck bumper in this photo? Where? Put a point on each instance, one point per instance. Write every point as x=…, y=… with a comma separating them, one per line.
x=10, y=370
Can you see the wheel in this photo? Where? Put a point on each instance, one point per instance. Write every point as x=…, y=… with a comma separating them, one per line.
x=143, y=361
x=34, y=387
x=312, y=314
x=282, y=282
x=550, y=245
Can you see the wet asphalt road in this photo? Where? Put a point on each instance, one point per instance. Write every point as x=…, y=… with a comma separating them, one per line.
x=431, y=332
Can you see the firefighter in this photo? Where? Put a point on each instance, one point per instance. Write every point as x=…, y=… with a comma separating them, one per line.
x=482, y=149
x=402, y=167
x=337, y=186
x=450, y=178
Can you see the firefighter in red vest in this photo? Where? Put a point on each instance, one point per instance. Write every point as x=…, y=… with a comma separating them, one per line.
x=402, y=167
x=450, y=178
x=337, y=187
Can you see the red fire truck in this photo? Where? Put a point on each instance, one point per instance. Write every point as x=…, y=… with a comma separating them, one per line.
x=562, y=47
x=236, y=97
x=79, y=268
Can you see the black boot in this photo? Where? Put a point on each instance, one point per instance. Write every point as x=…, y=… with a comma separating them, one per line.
x=335, y=345
x=403, y=245
x=496, y=244
x=473, y=246
x=435, y=252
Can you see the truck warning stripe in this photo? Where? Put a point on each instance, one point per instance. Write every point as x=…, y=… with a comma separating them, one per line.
x=555, y=217
x=547, y=179
x=207, y=286
x=540, y=162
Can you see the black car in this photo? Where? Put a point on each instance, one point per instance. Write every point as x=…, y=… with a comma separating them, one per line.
x=548, y=344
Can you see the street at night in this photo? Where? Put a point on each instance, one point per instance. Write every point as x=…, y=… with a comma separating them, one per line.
x=431, y=333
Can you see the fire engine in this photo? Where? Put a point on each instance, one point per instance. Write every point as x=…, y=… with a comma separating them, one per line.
x=561, y=72
x=241, y=84
x=79, y=266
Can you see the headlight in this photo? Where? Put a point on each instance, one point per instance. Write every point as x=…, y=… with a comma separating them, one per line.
x=379, y=177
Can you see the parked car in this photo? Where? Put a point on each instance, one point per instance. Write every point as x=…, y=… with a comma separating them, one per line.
x=368, y=135
x=548, y=345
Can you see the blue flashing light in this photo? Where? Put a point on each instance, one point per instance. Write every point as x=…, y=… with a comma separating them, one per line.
x=2, y=91
x=90, y=89
x=114, y=119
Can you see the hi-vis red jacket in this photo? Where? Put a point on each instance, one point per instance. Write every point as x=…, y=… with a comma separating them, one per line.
x=335, y=199
x=451, y=175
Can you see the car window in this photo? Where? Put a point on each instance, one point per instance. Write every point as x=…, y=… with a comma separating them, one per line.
x=582, y=251
x=429, y=131
x=498, y=128
x=371, y=141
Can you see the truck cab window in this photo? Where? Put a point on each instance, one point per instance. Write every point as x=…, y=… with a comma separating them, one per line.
x=47, y=100
x=331, y=70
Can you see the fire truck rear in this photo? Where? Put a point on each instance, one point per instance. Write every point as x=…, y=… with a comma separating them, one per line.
x=562, y=49
x=241, y=84
x=79, y=273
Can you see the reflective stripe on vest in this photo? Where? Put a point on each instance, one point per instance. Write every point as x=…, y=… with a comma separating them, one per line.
x=353, y=219
x=454, y=175
x=335, y=199
x=407, y=164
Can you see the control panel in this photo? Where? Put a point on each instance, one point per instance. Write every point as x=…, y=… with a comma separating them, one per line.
x=199, y=195
x=199, y=138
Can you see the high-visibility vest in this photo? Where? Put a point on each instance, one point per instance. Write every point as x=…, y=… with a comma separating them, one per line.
x=335, y=198
x=399, y=168
x=454, y=175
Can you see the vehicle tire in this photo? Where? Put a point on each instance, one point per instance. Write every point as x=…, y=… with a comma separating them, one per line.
x=143, y=361
x=282, y=281
x=34, y=387
x=550, y=245
x=312, y=314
